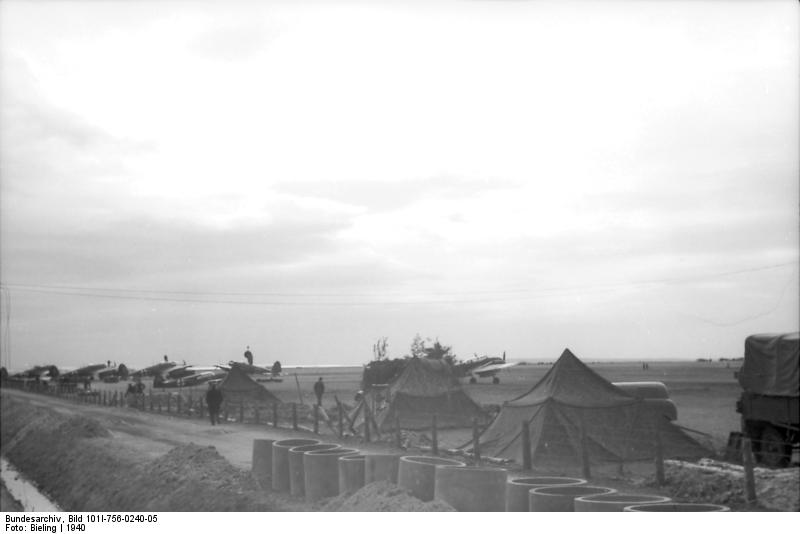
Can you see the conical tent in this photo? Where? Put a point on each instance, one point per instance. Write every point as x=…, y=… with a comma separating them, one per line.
x=573, y=407
x=424, y=388
x=238, y=386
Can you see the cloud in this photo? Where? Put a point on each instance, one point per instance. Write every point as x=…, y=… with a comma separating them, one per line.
x=231, y=42
x=151, y=249
x=389, y=195
x=46, y=146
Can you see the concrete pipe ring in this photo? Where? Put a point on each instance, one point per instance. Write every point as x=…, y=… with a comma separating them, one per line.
x=322, y=472
x=615, y=502
x=351, y=473
x=381, y=467
x=280, y=461
x=471, y=489
x=517, y=489
x=296, y=470
x=262, y=461
x=676, y=507
x=561, y=498
x=417, y=474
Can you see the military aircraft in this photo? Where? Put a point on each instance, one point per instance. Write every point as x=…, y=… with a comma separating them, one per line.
x=114, y=373
x=188, y=375
x=153, y=370
x=483, y=367
x=259, y=374
x=83, y=373
x=42, y=373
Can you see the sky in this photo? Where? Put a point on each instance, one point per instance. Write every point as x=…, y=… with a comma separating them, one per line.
x=305, y=178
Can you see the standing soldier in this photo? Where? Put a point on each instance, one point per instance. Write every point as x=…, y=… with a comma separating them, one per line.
x=213, y=401
x=248, y=356
x=319, y=389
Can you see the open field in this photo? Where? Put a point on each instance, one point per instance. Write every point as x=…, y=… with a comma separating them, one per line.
x=704, y=392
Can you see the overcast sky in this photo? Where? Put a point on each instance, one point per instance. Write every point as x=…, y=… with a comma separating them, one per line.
x=188, y=178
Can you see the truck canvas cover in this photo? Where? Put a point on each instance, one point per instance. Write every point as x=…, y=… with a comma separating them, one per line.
x=771, y=364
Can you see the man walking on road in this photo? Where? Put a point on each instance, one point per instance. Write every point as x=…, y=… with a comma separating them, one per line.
x=319, y=389
x=213, y=401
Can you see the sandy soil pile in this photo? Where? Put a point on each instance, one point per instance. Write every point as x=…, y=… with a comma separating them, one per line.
x=78, y=426
x=722, y=483
x=78, y=465
x=383, y=497
x=191, y=477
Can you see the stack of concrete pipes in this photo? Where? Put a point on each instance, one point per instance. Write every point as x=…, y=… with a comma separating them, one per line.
x=314, y=470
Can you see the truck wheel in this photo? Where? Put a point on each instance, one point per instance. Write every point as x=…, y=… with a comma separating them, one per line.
x=774, y=451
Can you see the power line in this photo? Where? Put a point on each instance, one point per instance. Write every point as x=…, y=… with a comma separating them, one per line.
x=203, y=297
x=750, y=317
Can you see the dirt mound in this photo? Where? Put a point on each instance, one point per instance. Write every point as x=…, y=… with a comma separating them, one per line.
x=723, y=483
x=78, y=426
x=80, y=466
x=194, y=478
x=383, y=497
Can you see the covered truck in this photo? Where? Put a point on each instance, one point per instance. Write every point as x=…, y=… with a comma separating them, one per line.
x=770, y=400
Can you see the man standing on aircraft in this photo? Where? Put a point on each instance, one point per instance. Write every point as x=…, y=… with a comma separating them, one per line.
x=214, y=401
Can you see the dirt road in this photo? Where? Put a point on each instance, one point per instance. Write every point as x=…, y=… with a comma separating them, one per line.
x=84, y=455
x=154, y=434
x=91, y=457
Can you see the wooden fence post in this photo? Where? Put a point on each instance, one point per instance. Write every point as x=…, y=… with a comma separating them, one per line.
x=749, y=475
x=366, y=423
x=434, y=436
x=526, y=446
x=294, y=416
x=398, y=439
x=341, y=419
x=659, y=456
x=587, y=472
x=151, y=400
x=476, y=449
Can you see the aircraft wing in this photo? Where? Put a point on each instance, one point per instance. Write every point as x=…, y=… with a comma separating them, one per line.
x=203, y=376
x=251, y=369
x=492, y=369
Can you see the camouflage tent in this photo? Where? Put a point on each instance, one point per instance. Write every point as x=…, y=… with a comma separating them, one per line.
x=424, y=388
x=239, y=387
x=573, y=407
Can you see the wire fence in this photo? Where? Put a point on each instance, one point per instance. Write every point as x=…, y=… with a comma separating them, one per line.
x=581, y=448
